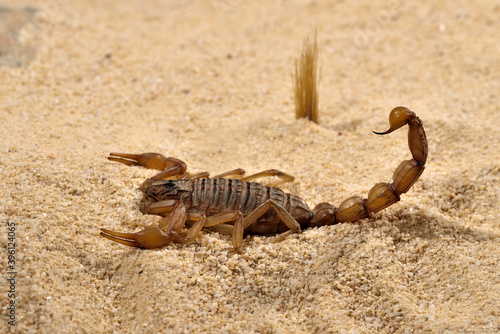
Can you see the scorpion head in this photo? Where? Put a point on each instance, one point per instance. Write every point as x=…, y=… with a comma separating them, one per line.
x=160, y=189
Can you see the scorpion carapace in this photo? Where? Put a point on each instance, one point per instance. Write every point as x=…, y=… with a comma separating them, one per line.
x=229, y=203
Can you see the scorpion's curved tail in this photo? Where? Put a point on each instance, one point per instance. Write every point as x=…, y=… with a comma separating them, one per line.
x=382, y=194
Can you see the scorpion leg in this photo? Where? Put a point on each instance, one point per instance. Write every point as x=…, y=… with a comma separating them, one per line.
x=219, y=219
x=226, y=229
x=201, y=175
x=284, y=215
x=270, y=172
x=218, y=223
x=238, y=229
x=239, y=173
x=232, y=174
x=194, y=229
x=153, y=237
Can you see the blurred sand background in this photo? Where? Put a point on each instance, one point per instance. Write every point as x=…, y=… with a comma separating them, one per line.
x=209, y=82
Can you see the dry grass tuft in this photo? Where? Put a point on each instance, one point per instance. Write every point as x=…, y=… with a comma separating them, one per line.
x=306, y=81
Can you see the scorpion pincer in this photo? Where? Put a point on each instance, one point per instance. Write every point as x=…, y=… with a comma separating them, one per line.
x=230, y=204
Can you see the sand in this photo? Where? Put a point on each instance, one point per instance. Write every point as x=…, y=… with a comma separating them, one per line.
x=209, y=82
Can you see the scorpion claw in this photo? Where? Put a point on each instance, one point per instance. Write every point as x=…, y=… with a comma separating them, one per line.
x=151, y=237
x=148, y=160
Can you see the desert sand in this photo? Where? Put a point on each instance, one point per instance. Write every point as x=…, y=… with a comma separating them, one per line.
x=209, y=82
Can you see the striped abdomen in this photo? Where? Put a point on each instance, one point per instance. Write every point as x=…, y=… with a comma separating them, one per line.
x=212, y=196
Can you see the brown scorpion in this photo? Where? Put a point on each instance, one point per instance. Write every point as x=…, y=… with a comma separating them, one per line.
x=230, y=204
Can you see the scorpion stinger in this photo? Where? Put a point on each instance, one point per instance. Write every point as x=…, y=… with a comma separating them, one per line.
x=230, y=204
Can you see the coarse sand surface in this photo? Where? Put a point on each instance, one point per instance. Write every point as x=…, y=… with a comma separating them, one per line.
x=209, y=82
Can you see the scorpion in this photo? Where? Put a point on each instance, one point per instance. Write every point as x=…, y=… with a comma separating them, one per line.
x=231, y=204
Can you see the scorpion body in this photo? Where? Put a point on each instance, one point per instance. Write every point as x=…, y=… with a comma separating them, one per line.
x=211, y=196
x=230, y=204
